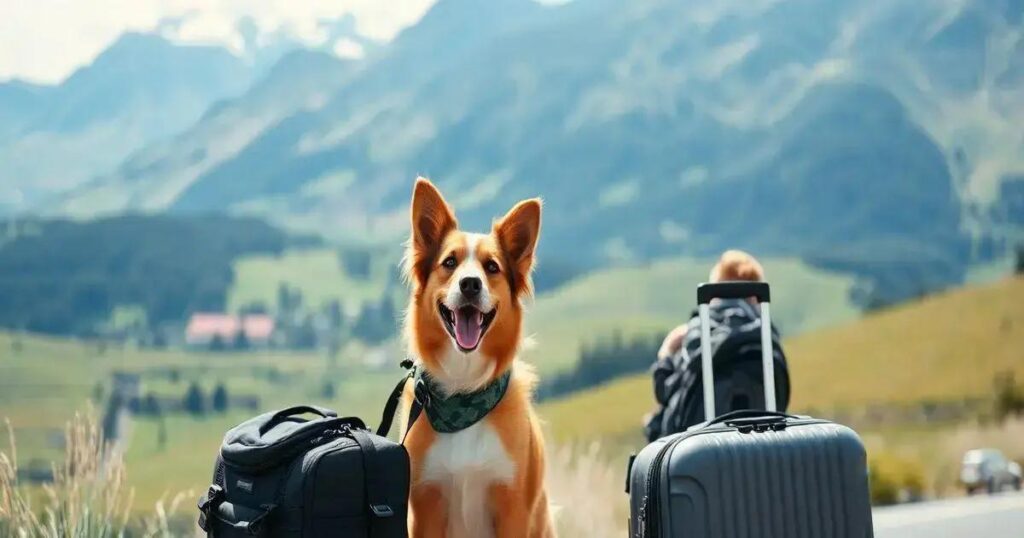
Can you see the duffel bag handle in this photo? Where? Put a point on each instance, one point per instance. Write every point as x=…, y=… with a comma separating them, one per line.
x=281, y=415
x=300, y=409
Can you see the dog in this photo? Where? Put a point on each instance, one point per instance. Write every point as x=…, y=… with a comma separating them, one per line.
x=464, y=328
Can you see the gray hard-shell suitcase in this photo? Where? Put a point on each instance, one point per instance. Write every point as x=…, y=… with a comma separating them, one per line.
x=750, y=473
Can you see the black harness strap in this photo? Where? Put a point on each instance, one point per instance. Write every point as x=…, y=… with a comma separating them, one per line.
x=421, y=399
x=391, y=406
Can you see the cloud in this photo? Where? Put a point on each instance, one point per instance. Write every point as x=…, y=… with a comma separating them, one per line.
x=348, y=48
x=46, y=40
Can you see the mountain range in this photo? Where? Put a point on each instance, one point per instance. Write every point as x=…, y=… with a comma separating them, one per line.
x=138, y=90
x=880, y=137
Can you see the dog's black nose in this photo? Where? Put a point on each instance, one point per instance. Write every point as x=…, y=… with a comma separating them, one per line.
x=470, y=286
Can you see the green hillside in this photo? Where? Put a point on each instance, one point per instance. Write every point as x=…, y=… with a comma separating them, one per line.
x=940, y=348
x=77, y=278
x=318, y=274
x=635, y=300
x=946, y=347
x=652, y=299
x=45, y=381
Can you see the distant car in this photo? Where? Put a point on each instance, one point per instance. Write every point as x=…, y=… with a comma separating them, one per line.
x=989, y=470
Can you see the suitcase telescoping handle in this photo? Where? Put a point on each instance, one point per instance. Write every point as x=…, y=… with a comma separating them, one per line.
x=735, y=290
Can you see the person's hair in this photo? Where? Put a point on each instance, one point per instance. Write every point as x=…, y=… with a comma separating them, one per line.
x=736, y=265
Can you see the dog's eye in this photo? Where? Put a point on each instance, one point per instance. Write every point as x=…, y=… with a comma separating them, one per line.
x=450, y=262
x=492, y=267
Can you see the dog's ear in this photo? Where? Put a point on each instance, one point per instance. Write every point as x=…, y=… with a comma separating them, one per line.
x=517, y=233
x=432, y=220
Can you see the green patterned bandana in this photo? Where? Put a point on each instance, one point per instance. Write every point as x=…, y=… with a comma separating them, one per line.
x=452, y=413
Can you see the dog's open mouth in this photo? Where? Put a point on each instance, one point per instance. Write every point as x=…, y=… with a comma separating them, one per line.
x=466, y=324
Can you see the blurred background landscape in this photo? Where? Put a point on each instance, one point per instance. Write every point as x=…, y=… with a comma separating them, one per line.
x=193, y=230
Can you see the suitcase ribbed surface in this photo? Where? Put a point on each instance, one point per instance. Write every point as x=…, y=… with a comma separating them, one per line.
x=781, y=484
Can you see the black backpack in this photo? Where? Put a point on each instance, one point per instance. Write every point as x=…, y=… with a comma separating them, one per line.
x=739, y=378
x=280, y=475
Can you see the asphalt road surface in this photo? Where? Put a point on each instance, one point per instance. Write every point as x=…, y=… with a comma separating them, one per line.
x=982, y=516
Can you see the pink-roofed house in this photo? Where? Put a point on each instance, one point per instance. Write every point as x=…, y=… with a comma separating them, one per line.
x=259, y=328
x=205, y=327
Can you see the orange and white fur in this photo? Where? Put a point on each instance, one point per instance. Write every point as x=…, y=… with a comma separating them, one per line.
x=464, y=325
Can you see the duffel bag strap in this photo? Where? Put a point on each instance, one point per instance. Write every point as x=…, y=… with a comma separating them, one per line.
x=256, y=525
x=391, y=407
x=210, y=500
x=372, y=473
x=208, y=504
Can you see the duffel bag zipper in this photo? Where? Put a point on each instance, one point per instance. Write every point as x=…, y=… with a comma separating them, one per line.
x=324, y=441
x=329, y=435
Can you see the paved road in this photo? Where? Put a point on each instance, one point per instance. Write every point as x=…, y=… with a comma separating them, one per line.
x=1001, y=516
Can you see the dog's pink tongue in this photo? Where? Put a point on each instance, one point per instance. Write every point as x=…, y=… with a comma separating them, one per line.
x=467, y=327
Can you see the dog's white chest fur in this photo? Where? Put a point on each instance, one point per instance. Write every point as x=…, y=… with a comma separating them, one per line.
x=464, y=464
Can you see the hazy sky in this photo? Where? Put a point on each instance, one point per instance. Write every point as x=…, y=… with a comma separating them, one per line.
x=45, y=40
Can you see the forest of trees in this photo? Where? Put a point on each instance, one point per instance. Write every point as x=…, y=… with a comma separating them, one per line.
x=64, y=277
x=603, y=361
x=306, y=326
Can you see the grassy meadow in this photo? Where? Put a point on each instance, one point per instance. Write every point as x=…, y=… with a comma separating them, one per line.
x=944, y=347
x=941, y=348
x=318, y=273
x=633, y=300
x=44, y=382
x=653, y=298
x=947, y=347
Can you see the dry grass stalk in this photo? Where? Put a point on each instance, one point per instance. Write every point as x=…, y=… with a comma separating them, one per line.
x=87, y=499
x=587, y=493
x=162, y=523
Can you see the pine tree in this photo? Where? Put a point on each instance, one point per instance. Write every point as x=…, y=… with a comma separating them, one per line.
x=241, y=342
x=220, y=399
x=195, y=400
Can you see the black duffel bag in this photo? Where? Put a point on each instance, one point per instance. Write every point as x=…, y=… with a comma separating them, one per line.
x=281, y=475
